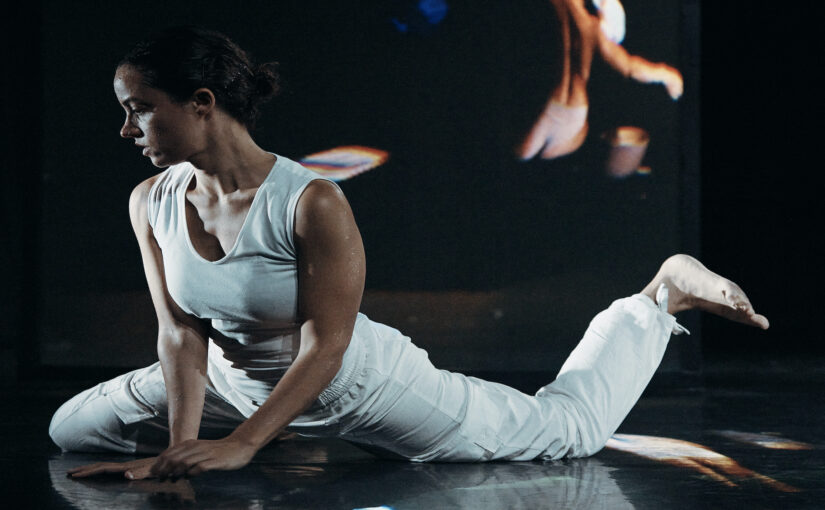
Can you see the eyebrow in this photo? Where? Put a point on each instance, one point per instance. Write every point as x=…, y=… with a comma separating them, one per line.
x=131, y=101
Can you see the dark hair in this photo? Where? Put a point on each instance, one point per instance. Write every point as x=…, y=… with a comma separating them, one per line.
x=180, y=60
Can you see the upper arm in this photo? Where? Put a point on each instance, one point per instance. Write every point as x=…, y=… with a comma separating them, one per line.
x=171, y=318
x=331, y=266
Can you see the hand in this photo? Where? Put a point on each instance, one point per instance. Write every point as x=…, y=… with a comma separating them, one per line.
x=195, y=456
x=134, y=469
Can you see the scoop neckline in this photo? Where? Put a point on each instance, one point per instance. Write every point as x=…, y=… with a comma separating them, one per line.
x=187, y=180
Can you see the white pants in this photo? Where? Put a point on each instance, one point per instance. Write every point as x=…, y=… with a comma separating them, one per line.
x=398, y=403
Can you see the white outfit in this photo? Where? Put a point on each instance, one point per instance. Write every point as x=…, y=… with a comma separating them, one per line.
x=387, y=395
x=612, y=17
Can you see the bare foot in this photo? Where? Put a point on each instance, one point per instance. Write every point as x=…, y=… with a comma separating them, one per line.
x=692, y=285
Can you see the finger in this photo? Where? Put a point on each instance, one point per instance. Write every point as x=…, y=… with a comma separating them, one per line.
x=81, y=468
x=197, y=456
x=200, y=467
x=167, y=461
x=139, y=473
x=185, y=465
x=160, y=468
x=99, y=469
x=172, y=471
x=174, y=453
x=173, y=461
x=88, y=470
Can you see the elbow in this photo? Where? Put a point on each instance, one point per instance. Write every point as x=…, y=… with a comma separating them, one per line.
x=168, y=344
x=327, y=358
x=330, y=357
x=174, y=344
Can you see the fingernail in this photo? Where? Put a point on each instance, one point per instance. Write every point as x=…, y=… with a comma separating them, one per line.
x=129, y=475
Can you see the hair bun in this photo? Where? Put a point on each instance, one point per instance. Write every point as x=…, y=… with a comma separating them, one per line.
x=180, y=60
x=267, y=81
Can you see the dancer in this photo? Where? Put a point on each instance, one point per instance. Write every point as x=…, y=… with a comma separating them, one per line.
x=562, y=126
x=256, y=270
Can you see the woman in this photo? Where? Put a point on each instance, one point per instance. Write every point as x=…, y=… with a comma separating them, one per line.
x=256, y=270
x=562, y=126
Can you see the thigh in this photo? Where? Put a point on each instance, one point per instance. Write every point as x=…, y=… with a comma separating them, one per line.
x=128, y=414
x=409, y=408
x=405, y=406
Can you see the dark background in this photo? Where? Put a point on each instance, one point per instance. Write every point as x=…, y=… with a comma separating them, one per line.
x=761, y=214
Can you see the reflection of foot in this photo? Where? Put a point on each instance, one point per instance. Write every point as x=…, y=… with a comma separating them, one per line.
x=692, y=285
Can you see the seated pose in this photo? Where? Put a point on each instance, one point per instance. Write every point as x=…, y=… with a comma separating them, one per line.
x=562, y=126
x=256, y=271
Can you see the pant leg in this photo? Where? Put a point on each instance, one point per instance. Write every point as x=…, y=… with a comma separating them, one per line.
x=404, y=405
x=128, y=414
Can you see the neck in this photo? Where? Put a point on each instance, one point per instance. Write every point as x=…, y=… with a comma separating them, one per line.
x=231, y=161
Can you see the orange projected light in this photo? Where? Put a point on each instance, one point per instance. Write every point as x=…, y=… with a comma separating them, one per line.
x=765, y=440
x=345, y=162
x=693, y=456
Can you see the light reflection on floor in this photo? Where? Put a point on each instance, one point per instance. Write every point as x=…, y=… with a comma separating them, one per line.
x=685, y=450
x=692, y=456
x=772, y=440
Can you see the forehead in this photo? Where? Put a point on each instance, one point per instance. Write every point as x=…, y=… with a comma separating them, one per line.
x=129, y=87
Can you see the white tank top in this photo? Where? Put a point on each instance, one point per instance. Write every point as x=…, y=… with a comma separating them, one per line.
x=250, y=296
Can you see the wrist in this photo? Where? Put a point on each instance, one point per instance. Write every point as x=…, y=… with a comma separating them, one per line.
x=245, y=440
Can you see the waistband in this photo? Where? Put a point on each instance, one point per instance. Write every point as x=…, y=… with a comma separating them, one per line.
x=351, y=366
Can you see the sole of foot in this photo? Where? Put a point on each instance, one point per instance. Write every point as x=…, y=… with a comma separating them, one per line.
x=692, y=285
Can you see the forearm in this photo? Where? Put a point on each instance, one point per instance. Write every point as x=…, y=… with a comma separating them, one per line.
x=644, y=71
x=311, y=372
x=630, y=66
x=183, y=360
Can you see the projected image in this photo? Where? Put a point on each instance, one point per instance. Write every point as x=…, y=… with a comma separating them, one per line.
x=415, y=108
x=562, y=126
x=342, y=163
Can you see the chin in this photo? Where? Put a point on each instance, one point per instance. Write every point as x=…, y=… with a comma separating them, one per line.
x=161, y=162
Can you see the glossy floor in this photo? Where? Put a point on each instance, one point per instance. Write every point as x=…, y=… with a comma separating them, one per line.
x=744, y=439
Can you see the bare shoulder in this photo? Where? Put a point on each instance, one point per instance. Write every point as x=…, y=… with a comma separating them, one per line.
x=322, y=206
x=320, y=197
x=322, y=193
x=138, y=198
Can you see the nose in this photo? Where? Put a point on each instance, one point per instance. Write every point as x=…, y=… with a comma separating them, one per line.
x=129, y=130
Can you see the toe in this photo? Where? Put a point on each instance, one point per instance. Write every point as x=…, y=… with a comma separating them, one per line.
x=761, y=321
x=737, y=299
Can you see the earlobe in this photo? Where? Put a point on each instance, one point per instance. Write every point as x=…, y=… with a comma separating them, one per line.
x=204, y=101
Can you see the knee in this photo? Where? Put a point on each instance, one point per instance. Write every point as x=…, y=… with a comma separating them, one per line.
x=61, y=429
x=588, y=446
x=581, y=431
x=84, y=423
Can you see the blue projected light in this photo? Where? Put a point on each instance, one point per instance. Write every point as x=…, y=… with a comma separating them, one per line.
x=419, y=15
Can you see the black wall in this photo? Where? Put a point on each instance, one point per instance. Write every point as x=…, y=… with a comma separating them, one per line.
x=762, y=201
x=761, y=207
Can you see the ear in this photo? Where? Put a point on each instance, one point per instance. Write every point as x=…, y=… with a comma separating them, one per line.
x=204, y=101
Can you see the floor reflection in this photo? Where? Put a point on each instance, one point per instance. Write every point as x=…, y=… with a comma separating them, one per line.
x=685, y=454
x=772, y=440
x=334, y=475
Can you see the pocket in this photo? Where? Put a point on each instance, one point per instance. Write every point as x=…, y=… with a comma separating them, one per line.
x=483, y=419
x=483, y=436
x=139, y=396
